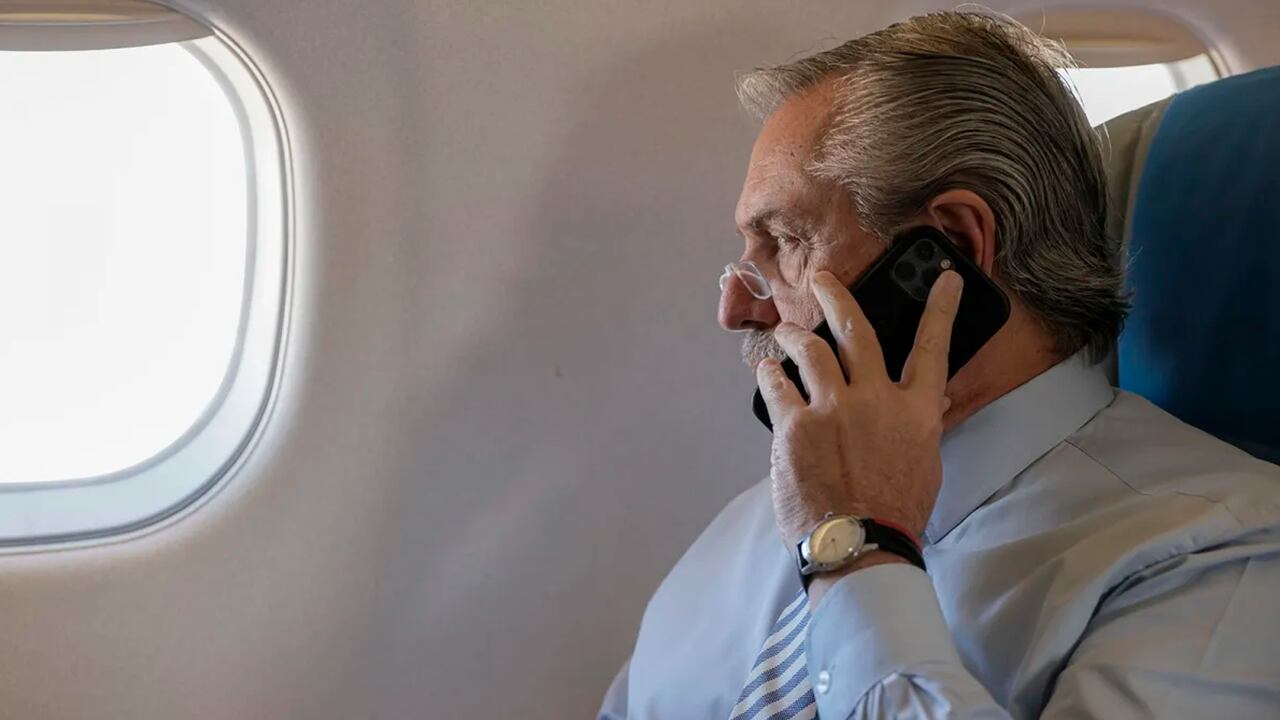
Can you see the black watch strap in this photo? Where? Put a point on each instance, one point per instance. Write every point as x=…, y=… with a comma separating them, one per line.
x=891, y=539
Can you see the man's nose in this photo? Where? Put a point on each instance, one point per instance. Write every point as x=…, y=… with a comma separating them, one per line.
x=741, y=309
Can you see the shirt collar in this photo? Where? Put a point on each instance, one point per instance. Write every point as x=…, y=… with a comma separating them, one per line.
x=983, y=453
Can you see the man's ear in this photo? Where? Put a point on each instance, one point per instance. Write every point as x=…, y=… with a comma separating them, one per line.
x=967, y=219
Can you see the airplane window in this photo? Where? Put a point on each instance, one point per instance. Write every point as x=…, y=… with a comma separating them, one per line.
x=1110, y=91
x=122, y=255
x=144, y=265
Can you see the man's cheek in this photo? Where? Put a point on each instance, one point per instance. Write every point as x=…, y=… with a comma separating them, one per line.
x=805, y=314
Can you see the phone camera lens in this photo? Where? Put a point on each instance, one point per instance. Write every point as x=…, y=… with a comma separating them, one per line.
x=905, y=271
x=925, y=250
x=930, y=275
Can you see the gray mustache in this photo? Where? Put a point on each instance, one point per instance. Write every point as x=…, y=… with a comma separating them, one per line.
x=758, y=345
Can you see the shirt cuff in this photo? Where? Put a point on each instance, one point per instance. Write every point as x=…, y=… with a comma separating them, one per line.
x=875, y=622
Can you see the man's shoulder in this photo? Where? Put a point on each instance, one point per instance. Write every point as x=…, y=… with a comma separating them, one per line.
x=746, y=518
x=739, y=551
x=1150, y=454
x=1132, y=486
x=717, y=602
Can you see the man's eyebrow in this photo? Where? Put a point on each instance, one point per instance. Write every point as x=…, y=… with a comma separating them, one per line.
x=763, y=217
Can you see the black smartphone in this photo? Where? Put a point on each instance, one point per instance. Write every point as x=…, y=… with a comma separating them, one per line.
x=892, y=294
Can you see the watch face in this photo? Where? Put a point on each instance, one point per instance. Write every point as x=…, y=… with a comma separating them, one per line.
x=835, y=540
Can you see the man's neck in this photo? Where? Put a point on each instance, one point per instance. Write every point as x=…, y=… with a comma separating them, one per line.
x=1013, y=357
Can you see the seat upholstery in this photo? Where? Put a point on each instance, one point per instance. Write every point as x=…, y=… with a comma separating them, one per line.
x=1196, y=195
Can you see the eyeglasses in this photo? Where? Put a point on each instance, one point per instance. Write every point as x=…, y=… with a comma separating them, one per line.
x=751, y=278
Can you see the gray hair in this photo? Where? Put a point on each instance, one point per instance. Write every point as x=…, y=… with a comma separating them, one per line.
x=972, y=100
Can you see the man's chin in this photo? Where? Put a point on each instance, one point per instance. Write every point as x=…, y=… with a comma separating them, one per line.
x=758, y=345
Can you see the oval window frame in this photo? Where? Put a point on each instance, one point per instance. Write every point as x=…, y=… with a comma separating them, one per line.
x=89, y=510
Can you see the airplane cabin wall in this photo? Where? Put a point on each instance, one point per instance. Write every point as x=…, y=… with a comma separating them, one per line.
x=505, y=409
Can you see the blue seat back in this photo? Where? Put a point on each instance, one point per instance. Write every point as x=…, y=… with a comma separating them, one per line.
x=1203, y=340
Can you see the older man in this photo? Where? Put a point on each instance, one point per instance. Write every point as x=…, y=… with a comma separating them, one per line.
x=1084, y=553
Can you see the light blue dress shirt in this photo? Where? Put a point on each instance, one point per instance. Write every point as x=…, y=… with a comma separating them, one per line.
x=1090, y=556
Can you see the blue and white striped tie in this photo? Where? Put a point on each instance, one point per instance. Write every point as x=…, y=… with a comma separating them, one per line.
x=778, y=687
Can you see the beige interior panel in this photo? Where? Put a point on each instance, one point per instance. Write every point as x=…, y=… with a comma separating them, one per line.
x=505, y=408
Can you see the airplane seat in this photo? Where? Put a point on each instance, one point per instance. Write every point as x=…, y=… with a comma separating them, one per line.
x=1196, y=195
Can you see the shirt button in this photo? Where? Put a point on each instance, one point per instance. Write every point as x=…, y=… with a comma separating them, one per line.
x=823, y=683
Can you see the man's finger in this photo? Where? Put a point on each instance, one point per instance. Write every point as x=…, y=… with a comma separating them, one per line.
x=927, y=364
x=818, y=367
x=780, y=395
x=859, y=347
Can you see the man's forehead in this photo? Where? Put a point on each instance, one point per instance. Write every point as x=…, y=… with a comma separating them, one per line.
x=799, y=120
x=776, y=173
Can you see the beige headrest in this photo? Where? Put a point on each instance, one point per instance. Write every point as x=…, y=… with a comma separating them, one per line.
x=1125, y=142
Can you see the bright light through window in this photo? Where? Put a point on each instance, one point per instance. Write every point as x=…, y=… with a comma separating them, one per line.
x=123, y=243
x=1108, y=92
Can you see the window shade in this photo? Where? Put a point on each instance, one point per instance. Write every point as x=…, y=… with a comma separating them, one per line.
x=53, y=25
x=1116, y=37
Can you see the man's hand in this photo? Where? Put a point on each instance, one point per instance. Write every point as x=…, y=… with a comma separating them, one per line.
x=869, y=446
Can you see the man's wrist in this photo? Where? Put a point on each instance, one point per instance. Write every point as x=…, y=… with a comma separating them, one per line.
x=820, y=584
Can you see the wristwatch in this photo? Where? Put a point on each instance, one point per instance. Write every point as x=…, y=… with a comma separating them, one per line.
x=838, y=540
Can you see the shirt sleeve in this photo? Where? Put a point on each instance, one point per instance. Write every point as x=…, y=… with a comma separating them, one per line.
x=1194, y=636
x=614, y=706
x=879, y=647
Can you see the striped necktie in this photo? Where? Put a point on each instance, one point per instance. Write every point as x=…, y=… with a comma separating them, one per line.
x=778, y=686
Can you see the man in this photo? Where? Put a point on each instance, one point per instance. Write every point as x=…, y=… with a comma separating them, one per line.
x=1086, y=555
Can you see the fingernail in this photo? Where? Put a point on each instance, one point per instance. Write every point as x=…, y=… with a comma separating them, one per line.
x=953, y=282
